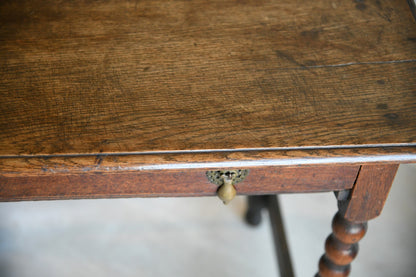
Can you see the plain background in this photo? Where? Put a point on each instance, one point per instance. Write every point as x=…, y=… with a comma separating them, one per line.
x=195, y=236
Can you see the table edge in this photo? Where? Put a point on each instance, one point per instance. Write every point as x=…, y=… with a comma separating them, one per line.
x=185, y=160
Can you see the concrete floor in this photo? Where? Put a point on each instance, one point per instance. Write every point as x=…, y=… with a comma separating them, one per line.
x=194, y=237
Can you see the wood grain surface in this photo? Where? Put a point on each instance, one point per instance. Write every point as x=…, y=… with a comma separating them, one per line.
x=90, y=77
x=105, y=163
x=369, y=193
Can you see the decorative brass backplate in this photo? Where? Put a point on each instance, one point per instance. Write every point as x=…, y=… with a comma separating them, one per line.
x=226, y=179
x=218, y=176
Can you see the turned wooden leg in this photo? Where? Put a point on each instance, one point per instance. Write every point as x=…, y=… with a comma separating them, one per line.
x=356, y=206
x=256, y=203
x=341, y=247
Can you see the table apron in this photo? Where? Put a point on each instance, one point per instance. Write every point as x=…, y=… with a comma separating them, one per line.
x=172, y=183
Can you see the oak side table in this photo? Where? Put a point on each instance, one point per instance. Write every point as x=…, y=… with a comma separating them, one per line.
x=119, y=98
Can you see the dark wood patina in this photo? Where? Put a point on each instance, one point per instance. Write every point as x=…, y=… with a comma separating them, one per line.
x=117, y=98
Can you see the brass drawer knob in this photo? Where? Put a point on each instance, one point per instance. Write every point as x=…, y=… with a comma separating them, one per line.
x=226, y=180
x=227, y=191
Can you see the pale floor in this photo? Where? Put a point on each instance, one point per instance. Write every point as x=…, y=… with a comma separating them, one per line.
x=195, y=237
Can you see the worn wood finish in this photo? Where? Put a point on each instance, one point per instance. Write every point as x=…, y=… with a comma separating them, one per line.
x=81, y=77
x=330, y=106
x=173, y=183
x=341, y=247
x=119, y=98
x=370, y=191
x=104, y=163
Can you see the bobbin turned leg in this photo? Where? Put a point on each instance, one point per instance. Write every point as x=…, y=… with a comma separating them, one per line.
x=341, y=247
x=362, y=203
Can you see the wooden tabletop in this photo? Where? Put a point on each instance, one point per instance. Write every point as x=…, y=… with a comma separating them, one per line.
x=169, y=82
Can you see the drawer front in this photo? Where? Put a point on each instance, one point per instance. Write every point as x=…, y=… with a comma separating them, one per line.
x=171, y=183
